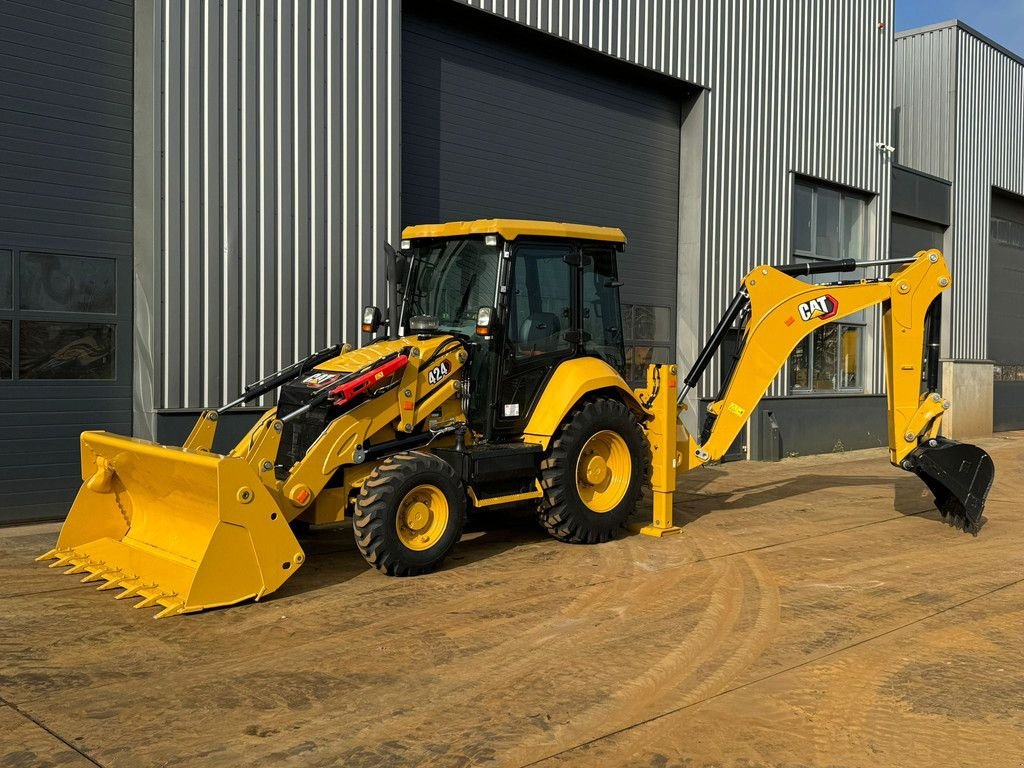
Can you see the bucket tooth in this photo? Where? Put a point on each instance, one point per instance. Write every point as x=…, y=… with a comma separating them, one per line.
x=153, y=599
x=80, y=568
x=102, y=574
x=62, y=560
x=114, y=583
x=52, y=553
x=171, y=610
x=133, y=591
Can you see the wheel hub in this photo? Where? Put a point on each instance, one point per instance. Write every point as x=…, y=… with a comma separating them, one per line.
x=422, y=517
x=596, y=470
x=417, y=516
x=603, y=471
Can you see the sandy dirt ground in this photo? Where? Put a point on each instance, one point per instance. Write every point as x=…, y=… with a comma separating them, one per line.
x=815, y=612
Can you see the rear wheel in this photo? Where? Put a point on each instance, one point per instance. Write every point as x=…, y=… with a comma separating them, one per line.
x=594, y=474
x=409, y=514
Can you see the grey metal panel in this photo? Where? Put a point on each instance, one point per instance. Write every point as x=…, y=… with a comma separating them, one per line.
x=65, y=187
x=990, y=153
x=810, y=425
x=910, y=235
x=920, y=196
x=961, y=99
x=795, y=88
x=1007, y=405
x=1006, y=286
x=503, y=124
x=276, y=134
x=924, y=83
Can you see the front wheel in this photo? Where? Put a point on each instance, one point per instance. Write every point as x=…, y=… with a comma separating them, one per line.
x=409, y=514
x=594, y=474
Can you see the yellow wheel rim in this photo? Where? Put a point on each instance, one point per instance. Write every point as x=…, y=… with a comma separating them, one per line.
x=422, y=517
x=603, y=471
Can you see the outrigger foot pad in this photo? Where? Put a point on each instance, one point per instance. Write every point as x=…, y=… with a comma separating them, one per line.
x=959, y=475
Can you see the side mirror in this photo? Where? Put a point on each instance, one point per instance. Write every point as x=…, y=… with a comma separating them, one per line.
x=396, y=270
x=371, y=319
x=485, y=318
x=396, y=264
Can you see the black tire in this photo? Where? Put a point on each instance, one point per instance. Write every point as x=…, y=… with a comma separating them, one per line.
x=402, y=479
x=563, y=512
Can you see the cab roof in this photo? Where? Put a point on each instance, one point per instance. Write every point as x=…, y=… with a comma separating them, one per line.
x=510, y=229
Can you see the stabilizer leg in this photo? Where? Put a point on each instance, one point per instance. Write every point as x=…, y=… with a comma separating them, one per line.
x=662, y=434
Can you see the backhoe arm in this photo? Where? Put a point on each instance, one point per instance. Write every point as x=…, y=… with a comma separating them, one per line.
x=779, y=312
x=783, y=310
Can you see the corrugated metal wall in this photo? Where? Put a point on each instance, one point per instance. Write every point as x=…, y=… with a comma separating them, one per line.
x=279, y=179
x=801, y=86
x=974, y=136
x=65, y=243
x=277, y=184
x=989, y=153
x=924, y=77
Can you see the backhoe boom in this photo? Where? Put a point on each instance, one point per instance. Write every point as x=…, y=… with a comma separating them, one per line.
x=780, y=311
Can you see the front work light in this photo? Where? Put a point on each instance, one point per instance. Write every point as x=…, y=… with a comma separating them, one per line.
x=371, y=319
x=484, y=321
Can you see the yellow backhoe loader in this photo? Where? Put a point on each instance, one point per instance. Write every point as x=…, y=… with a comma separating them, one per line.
x=499, y=381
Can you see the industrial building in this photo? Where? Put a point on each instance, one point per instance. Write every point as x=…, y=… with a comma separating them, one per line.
x=194, y=194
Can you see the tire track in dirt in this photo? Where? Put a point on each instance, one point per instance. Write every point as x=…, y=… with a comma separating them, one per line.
x=735, y=603
x=729, y=639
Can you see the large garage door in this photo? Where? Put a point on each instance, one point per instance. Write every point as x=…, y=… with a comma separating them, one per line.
x=1006, y=311
x=65, y=242
x=502, y=121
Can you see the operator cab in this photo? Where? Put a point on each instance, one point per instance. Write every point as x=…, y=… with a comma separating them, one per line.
x=524, y=295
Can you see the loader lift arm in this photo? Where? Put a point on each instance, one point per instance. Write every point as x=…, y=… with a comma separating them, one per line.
x=780, y=311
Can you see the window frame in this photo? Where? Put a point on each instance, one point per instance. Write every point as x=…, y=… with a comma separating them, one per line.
x=16, y=315
x=514, y=322
x=802, y=254
x=811, y=390
x=630, y=341
x=844, y=194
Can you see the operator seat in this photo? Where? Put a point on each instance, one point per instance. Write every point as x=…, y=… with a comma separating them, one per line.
x=539, y=333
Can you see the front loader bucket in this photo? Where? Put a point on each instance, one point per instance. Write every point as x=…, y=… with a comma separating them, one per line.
x=959, y=475
x=186, y=530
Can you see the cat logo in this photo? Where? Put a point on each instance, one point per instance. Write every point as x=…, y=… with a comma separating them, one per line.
x=438, y=372
x=320, y=379
x=821, y=308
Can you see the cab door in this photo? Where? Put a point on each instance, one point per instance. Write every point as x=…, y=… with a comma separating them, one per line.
x=541, y=329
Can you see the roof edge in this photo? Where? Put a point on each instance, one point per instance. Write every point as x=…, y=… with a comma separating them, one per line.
x=510, y=229
x=957, y=24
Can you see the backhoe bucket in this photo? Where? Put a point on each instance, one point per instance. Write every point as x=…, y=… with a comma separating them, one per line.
x=959, y=475
x=185, y=530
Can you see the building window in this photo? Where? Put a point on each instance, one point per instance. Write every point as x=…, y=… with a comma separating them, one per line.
x=57, y=316
x=828, y=360
x=828, y=224
x=648, y=339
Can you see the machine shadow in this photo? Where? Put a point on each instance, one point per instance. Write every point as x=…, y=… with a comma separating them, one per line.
x=332, y=557
x=910, y=496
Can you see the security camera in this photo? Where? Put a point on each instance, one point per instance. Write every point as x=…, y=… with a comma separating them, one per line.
x=881, y=145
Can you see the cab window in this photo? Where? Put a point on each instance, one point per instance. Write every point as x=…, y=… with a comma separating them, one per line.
x=602, y=315
x=540, y=304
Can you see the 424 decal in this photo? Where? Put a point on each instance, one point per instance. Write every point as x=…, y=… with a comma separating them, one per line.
x=438, y=372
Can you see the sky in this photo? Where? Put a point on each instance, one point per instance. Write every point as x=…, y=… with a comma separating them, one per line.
x=999, y=20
